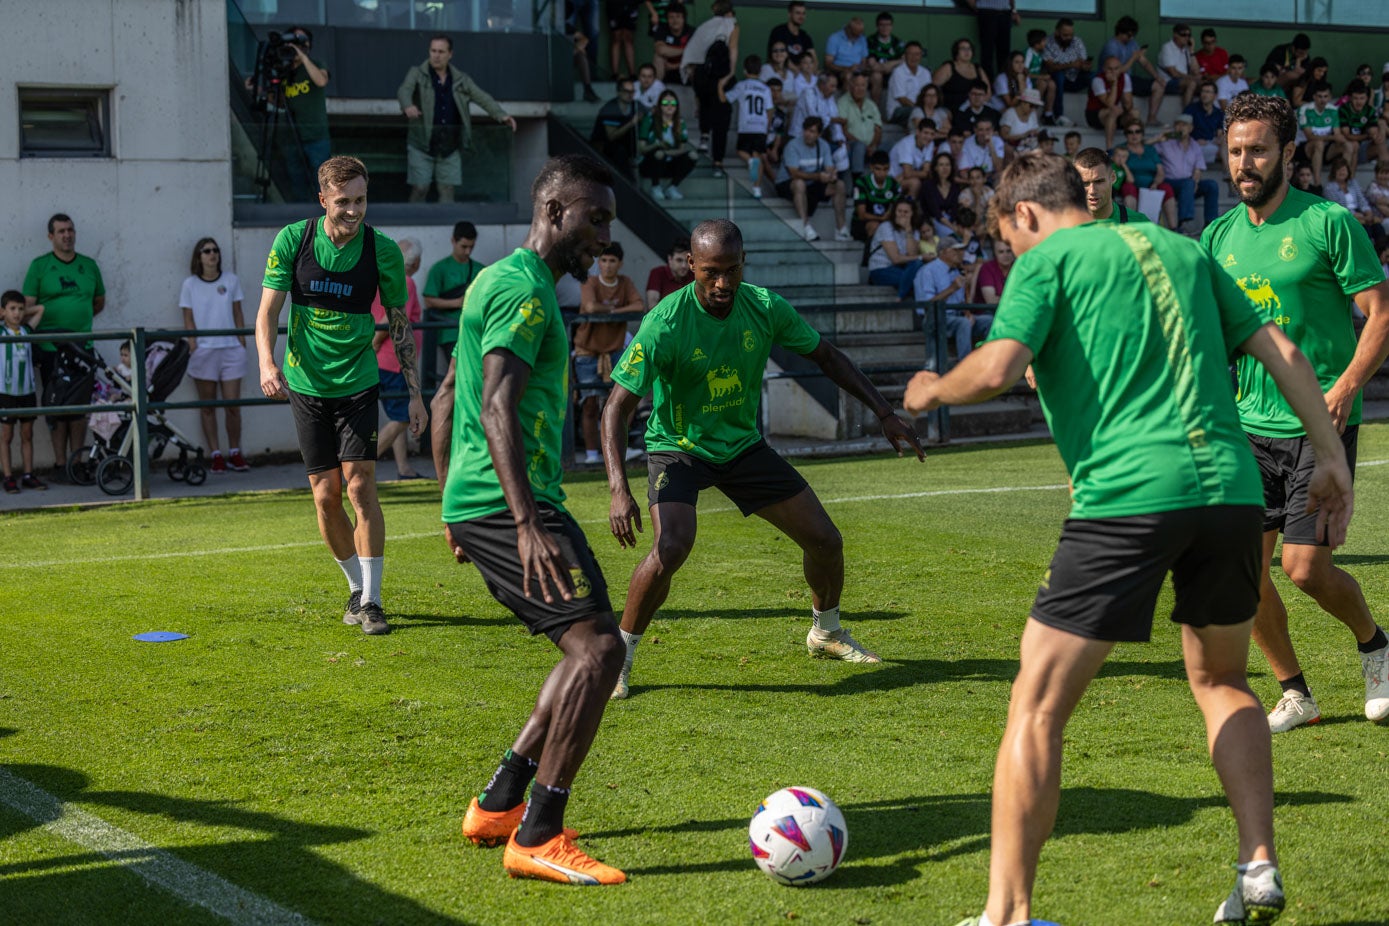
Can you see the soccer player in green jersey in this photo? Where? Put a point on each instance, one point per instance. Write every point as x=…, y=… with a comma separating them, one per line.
x=703, y=349
x=331, y=270
x=499, y=420
x=1097, y=176
x=1304, y=263
x=1163, y=480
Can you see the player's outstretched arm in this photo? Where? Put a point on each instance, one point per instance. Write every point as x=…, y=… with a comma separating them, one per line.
x=1370, y=352
x=272, y=381
x=987, y=371
x=403, y=339
x=842, y=371
x=441, y=440
x=1329, y=492
x=623, y=511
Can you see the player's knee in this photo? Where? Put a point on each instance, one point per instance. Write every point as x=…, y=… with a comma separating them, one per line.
x=826, y=543
x=671, y=551
x=1309, y=574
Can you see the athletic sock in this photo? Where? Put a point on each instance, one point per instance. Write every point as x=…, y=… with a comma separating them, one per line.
x=544, y=816
x=631, y=639
x=508, y=785
x=233, y=451
x=1296, y=683
x=754, y=169
x=371, y=579
x=826, y=620
x=352, y=568
x=1376, y=642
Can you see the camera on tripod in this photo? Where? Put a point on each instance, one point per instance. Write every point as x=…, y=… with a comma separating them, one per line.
x=277, y=61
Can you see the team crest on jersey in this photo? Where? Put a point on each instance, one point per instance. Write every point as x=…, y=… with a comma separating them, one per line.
x=633, y=361
x=1229, y=260
x=749, y=342
x=698, y=355
x=272, y=260
x=532, y=316
x=1288, y=250
x=221, y=290
x=1259, y=291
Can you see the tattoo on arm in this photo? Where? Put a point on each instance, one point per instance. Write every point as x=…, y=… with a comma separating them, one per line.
x=398, y=324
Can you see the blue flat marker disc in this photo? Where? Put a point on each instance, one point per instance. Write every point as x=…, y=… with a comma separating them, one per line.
x=160, y=636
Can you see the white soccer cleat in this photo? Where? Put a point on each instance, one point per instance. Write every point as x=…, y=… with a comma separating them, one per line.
x=1376, y=668
x=1256, y=899
x=622, y=689
x=757, y=192
x=1293, y=710
x=809, y=233
x=843, y=234
x=837, y=644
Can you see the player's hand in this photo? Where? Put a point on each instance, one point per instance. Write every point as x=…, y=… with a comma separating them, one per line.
x=1031, y=378
x=920, y=396
x=623, y=514
x=1339, y=404
x=419, y=416
x=412, y=112
x=543, y=562
x=272, y=382
x=510, y=123
x=1329, y=494
x=901, y=436
x=455, y=549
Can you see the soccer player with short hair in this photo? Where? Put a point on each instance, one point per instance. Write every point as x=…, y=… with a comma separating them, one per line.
x=331, y=269
x=499, y=420
x=1163, y=480
x=1096, y=171
x=1305, y=264
x=704, y=350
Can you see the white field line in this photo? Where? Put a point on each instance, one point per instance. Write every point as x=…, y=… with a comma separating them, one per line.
x=187, y=882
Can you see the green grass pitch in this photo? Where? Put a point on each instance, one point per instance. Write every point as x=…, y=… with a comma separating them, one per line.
x=327, y=771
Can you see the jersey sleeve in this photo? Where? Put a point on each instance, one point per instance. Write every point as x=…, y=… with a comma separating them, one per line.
x=1352, y=253
x=236, y=293
x=1238, y=317
x=100, y=289
x=1028, y=307
x=636, y=370
x=390, y=267
x=279, y=263
x=513, y=318
x=789, y=329
x=185, y=294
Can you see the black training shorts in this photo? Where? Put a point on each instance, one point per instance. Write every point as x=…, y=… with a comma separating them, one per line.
x=8, y=401
x=490, y=542
x=1105, y=576
x=753, y=480
x=336, y=430
x=751, y=142
x=1286, y=464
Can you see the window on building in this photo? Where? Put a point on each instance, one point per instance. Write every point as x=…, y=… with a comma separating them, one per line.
x=1359, y=13
x=64, y=122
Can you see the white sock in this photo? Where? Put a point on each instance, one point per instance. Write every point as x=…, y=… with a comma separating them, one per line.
x=371, y=579
x=631, y=639
x=234, y=451
x=984, y=920
x=827, y=620
x=352, y=568
x=1249, y=868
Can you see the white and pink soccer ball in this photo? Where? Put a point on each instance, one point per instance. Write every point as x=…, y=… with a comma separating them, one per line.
x=798, y=836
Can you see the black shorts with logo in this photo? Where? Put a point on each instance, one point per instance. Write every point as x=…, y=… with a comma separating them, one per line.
x=335, y=430
x=756, y=478
x=490, y=542
x=1105, y=576
x=1286, y=464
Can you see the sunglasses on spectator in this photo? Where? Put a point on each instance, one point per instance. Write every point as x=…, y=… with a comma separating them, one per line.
x=212, y=251
x=1185, y=35
x=1133, y=131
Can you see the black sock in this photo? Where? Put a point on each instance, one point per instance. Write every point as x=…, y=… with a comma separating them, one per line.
x=508, y=785
x=1296, y=683
x=544, y=817
x=1378, y=641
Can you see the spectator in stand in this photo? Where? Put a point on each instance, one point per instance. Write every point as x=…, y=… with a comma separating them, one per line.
x=1213, y=60
x=210, y=299
x=1305, y=180
x=1178, y=65
x=893, y=255
x=823, y=102
x=656, y=21
x=885, y=52
x=709, y=58
x=906, y=83
x=670, y=43
x=648, y=89
x=1037, y=70
x=863, y=122
x=1267, y=84
x=1342, y=188
x=17, y=389
x=753, y=100
x=874, y=194
x=974, y=109
x=1381, y=96
x=615, y=127
x=599, y=345
x=1072, y=142
x=1359, y=130
x=1124, y=46
x=928, y=106
x=1182, y=163
x=672, y=275
x=846, y=50
x=663, y=143
x=1019, y=126
x=1289, y=60
x=1111, y=97
x=941, y=280
x=988, y=284
x=792, y=34
x=1365, y=75
x=1145, y=170
x=308, y=104
x=958, y=76
x=940, y=195
x=395, y=399
x=1318, y=121
x=909, y=158
x=996, y=21
x=579, y=55
x=779, y=67
x=1207, y=123
x=1232, y=84
x=445, y=287
x=777, y=121
x=976, y=197
x=1011, y=82
x=622, y=27
x=582, y=16
x=984, y=150
x=434, y=96
x=1378, y=194
x=69, y=287
x=1046, y=142
x=803, y=82
x=808, y=174
x=1301, y=91
x=1065, y=59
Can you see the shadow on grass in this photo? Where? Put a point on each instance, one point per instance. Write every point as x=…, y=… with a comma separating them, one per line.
x=797, y=611
x=1361, y=559
x=276, y=857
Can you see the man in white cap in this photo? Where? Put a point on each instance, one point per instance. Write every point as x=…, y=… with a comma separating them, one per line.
x=947, y=279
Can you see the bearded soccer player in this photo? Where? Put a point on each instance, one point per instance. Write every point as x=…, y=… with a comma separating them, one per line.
x=704, y=349
x=1163, y=481
x=1305, y=264
x=499, y=420
x=331, y=269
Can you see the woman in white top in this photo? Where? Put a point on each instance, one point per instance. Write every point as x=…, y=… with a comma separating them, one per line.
x=894, y=248
x=211, y=299
x=779, y=67
x=1019, y=126
x=1010, y=83
x=928, y=105
x=1342, y=188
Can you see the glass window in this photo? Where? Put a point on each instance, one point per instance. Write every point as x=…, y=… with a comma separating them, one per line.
x=1067, y=7
x=64, y=123
x=1359, y=13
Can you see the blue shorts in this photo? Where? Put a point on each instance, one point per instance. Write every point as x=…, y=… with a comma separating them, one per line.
x=395, y=409
x=586, y=371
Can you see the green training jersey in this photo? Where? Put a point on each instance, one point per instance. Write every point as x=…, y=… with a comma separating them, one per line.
x=707, y=372
x=889, y=49
x=1325, y=122
x=65, y=289
x=1358, y=121
x=1128, y=215
x=448, y=279
x=329, y=353
x=1132, y=328
x=877, y=199
x=1299, y=269
x=1258, y=89
x=510, y=306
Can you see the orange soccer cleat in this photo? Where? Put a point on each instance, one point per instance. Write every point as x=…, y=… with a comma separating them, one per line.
x=492, y=828
x=558, y=860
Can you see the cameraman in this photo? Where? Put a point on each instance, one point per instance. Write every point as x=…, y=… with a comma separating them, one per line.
x=306, y=100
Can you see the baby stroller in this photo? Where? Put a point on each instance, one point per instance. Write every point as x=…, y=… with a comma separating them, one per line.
x=107, y=460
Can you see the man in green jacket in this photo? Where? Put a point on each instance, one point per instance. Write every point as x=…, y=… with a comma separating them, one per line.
x=434, y=96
